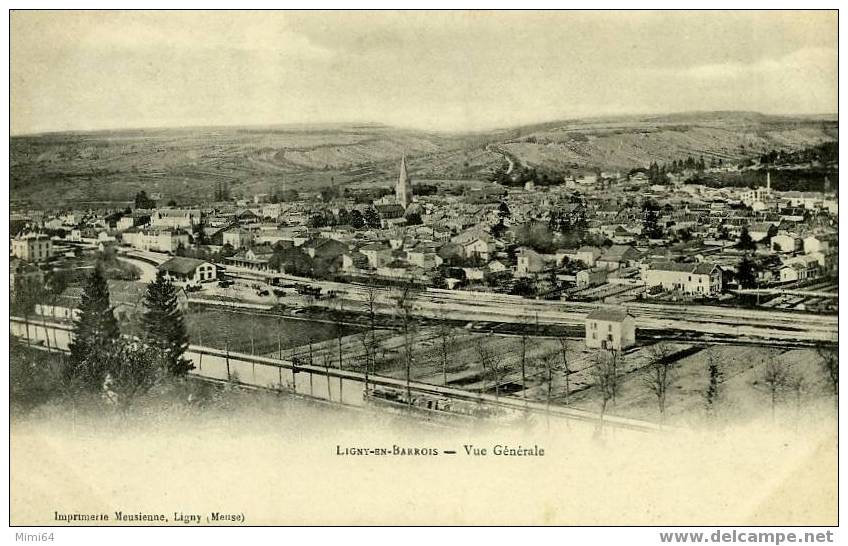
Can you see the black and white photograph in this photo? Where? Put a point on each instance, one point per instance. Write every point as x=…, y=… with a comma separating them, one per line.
x=424, y=268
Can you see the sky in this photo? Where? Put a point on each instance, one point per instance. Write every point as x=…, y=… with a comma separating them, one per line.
x=444, y=71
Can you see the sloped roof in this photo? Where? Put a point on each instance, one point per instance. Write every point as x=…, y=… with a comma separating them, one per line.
x=617, y=252
x=181, y=265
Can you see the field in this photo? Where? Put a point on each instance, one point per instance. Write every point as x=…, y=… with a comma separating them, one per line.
x=187, y=164
x=253, y=333
x=744, y=394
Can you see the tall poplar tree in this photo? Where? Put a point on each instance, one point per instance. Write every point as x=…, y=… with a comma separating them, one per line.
x=164, y=328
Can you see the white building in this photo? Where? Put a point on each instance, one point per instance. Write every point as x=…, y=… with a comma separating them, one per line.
x=156, y=240
x=610, y=328
x=32, y=247
x=189, y=270
x=698, y=279
x=238, y=237
x=783, y=242
x=175, y=218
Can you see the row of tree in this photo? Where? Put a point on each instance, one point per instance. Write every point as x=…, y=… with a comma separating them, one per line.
x=123, y=367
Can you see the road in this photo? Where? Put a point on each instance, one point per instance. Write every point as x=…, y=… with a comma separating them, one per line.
x=495, y=150
x=148, y=270
x=738, y=323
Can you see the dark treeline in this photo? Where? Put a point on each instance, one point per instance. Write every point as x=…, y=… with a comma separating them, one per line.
x=811, y=179
x=520, y=175
x=827, y=152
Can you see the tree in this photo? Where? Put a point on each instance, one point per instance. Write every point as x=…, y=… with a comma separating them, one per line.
x=144, y=202
x=164, y=328
x=829, y=361
x=552, y=366
x=606, y=379
x=524, y=339
x=404, y=308
x=447, y=339
x=712, y=395
x=356, y=219
x=26, y=294
x=746, y=275
x=659, y=375
x=132, y=369
x=776, y=378
x=650, y=219
x=372, y=218
x=95, y=329
x=745, y=241
x=503, y=210
x=487, y=362
x=563, y=350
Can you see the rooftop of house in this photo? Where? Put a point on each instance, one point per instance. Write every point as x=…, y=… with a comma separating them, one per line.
x=181, y=265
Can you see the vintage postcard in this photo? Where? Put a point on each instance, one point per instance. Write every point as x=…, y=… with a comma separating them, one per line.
x=276, y=268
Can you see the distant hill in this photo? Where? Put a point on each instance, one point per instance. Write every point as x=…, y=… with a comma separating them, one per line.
x=186, y=164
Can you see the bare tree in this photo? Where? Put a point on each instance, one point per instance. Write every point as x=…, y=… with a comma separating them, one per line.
x=659, y=374
x=447, y=339
x=552, y=365
x=797, y=384
x=404, y=310
x=829, y=361
x=776, y=378
x=563, y=351
x=606, y=379
x=524, y=338
x=490, y=363
x=369, y=337
x=713, y=392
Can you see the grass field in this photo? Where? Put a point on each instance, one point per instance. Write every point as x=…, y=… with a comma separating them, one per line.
x=253, y=333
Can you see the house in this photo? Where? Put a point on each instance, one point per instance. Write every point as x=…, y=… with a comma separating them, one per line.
x=326, y=249
x=529, y=262
x=354, y=260
x=496, y=266
x=32, y=247
x=20, y=270
x=378, y=254
x=617, y=257
x=424, y=255
x=591, y=277
x=175, y=218
x=126, y=298
x=475, y=242
x=690, y=278
x=237, y=237
x=189, y=270
x=799, y=268
x=759, y=231
x=156, y=240
x=588, y=255
x=819, y=243
x=610, y=328
x=785, y=243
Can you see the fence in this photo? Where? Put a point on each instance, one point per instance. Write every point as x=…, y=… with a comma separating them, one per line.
x=330, y=384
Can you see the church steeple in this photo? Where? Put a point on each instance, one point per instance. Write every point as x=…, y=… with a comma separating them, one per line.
x=403, y=189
